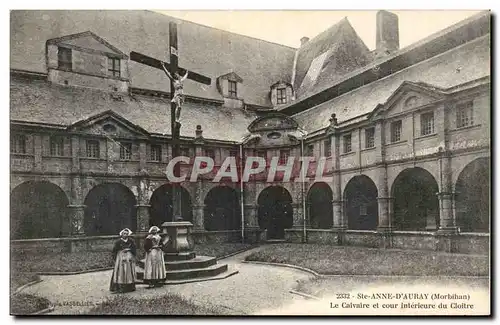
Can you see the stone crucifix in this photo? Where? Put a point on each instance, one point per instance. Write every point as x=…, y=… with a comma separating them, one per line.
x=177, y=76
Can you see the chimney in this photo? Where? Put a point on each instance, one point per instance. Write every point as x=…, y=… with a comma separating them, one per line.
x=304, y=40
x=387, y=32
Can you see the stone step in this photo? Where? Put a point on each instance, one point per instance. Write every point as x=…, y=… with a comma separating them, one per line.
x=275, y=241
x=209, y=271
x=198, y=262
x=179, y=256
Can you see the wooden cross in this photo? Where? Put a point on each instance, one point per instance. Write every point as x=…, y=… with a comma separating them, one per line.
x=172, y=67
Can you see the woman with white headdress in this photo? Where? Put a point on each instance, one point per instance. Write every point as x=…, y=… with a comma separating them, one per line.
x=154, y=265
x=124, y=255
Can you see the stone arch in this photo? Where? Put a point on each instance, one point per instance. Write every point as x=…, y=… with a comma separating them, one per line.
x=319, y=205
x=110, y=207
x=222, y=209
x=360, y=203
x=472, y=200
x=38, y=209
x=416, y=205
x=275, y=211
x=161, y=209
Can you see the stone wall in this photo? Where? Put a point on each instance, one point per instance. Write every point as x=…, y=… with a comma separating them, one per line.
x=105, y=243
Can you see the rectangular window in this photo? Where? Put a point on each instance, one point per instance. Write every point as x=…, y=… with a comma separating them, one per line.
x=93, y=149
x=125, y=151
x=309, y=150
x=155, y=154
x=396, y=128
x=281, y=95
x=56, y=146
x=233, y=153
x=427, y=123
x=327, y=144
x=465, y=114
x=18, y=143
x=210, y=153
x=347, y=143
x=370, y=138
x=114, y=67
x=284, y=154
x=261, y=154
x=185, y=152
x=64, y=58
x=233, y=92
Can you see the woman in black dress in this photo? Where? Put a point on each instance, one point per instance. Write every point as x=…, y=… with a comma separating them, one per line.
x=124, y=255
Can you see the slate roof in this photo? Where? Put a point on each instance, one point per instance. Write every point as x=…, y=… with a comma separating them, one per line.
x=206, y=50
x=43, y=102
x=472, y=59
x=343, y=52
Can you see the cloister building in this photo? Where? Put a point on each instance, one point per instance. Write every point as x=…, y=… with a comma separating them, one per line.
x=405, y=132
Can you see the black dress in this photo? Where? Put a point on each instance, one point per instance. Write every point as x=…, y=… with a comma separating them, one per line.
x=124, y=274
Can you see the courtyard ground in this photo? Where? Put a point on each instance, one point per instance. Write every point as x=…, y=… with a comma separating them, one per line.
x=256, y=289
x=348, y=260
x=24, y=268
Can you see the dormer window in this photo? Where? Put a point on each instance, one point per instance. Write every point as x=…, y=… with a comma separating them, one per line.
x=230, y=87
x=114, y=67
x=64, y=58
x=281, y=95
x=88, y=56
x=233, y=89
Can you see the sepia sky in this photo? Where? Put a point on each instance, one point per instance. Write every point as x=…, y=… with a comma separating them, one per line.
x=287, y=27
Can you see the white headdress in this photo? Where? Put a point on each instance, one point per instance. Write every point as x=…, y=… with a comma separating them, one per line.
x=127, y=231
x=154, y=228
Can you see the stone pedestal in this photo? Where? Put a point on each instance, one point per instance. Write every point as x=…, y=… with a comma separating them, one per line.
x=177, y=237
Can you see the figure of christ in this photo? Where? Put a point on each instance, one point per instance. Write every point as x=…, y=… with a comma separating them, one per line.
x=178, y=82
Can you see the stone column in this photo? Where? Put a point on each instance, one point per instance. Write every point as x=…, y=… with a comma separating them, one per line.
x=251, y=217
x=447, y=222
x=384, y=219
x=337, y=203
x=298, y=216
x=143, y=217
x=198, y=203
x=446, y=213
x=253, y=233
x=198, y=221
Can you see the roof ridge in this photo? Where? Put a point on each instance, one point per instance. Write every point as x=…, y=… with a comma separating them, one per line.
x=338, y=24
x=222, y=30
x=376, y=62
x=392, y=75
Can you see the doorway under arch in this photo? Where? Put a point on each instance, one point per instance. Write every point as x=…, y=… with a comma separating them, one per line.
x=319, y=203
x=222, y=209
x=416, y=205
x=38, y=209
x=473, y=197
x=361, y=204
x=275, y=211
x=110, y=207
